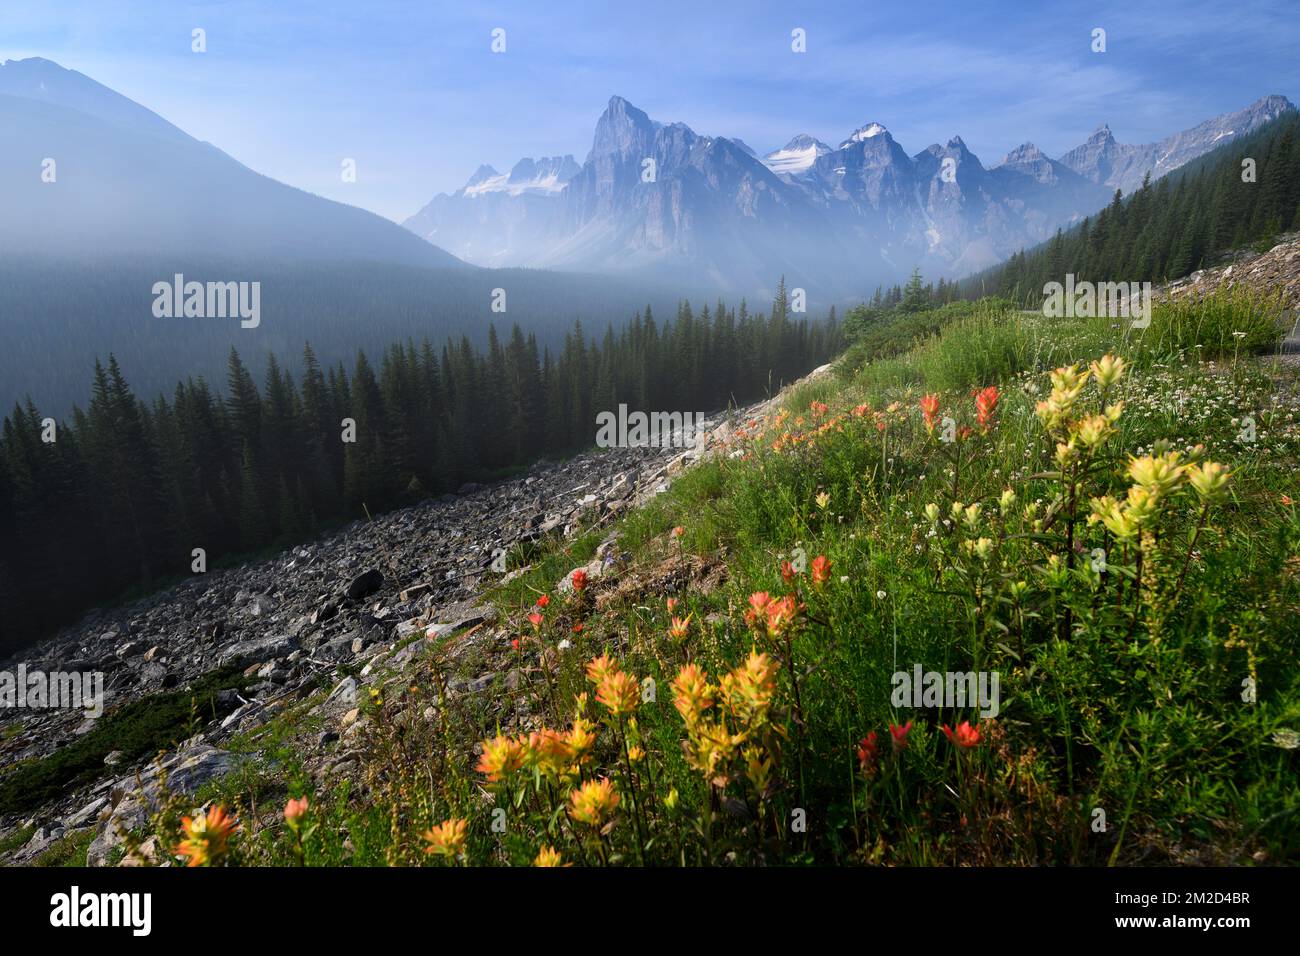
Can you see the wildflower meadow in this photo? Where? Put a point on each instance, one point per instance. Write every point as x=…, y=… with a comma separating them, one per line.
x=1097, y=522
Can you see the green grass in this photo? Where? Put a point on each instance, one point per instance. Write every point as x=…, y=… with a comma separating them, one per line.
x=70, y=851
x=15, y=839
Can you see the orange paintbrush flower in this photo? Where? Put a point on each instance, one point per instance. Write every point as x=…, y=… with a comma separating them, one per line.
x=600, y=667
x=757, y=607
x=294, y=811
x=547, y=751
x=207, y=838
x=501, y=757
x=544, y=600
x=447, y=839
x=781, y=613
x=680, y=627
x=579, y=579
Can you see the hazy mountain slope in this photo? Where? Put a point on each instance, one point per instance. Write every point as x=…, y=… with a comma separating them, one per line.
x=128, y=182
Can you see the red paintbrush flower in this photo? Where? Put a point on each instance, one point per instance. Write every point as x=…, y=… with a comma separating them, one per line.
x=821, y=570
x=868, y=751
x=899, y=735
x=986, y=403
x=929, y=409
x=965, y=736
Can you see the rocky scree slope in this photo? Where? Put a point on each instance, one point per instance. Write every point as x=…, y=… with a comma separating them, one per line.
x=321, y=620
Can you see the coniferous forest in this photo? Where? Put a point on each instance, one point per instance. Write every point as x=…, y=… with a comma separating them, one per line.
x=1172, y=227
x=129, y=487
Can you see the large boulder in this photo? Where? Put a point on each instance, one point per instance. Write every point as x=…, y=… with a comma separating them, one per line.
x=260, y=650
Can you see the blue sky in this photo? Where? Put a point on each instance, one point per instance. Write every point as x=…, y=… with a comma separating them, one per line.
x=412, y=91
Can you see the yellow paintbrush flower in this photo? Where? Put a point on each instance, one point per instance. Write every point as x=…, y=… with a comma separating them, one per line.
x=1068, y=379
x=758, y=769
x=749, y=688
x=594, y=802
x=1209, y=481
x=1142, y=505
x=581, y=741
x=1007, y=502
x=1107, y=370
x=692, y=693
x=1094, y=430
x=549, y=856
x=1158, y=474
x=619, y=693
x=1111, y=513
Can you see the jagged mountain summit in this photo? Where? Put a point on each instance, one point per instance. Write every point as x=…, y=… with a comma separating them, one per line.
x=1102, y=159
x=663, y=200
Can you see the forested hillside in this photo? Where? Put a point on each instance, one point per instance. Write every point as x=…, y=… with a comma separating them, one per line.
x=56, y=315
x=130, y=487
x=1171, y=227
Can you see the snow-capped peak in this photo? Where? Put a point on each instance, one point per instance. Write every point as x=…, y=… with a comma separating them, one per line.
x=547, y=175
x=865, y=132
x=797, y=155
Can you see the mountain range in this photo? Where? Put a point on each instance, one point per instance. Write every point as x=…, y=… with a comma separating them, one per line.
x=86, y=172
x=662, y=200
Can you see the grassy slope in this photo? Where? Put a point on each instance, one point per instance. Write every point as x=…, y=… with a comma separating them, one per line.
x=1121, y=693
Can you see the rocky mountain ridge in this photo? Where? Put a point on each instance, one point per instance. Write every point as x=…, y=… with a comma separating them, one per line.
x=663, y=200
